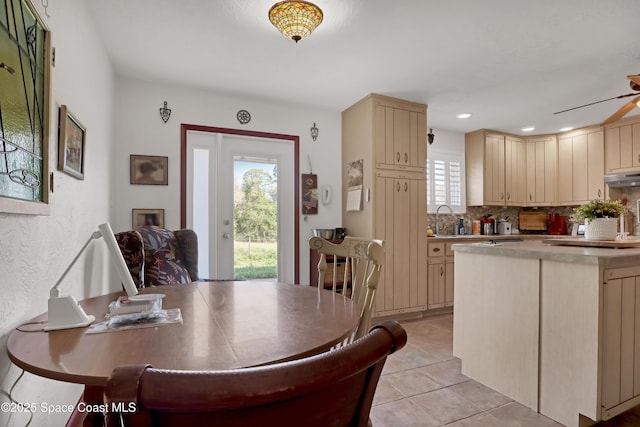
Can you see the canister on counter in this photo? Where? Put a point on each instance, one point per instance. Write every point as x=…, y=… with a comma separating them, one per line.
x=475, y=227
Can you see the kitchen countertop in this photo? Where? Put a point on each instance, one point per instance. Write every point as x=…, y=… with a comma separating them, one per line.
x=536, y=249
x=477, y=237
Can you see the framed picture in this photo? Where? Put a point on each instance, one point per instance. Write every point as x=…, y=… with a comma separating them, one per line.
x=71, y=144
x=147, y=217
x=149, y=170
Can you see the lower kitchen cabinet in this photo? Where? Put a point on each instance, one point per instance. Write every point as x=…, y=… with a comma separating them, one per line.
x=400, y=220
x=621, y=351
x=440, y=265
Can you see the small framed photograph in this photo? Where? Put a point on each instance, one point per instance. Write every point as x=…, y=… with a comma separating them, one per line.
x=147, y=217
x=149, y=170
x=71, y=144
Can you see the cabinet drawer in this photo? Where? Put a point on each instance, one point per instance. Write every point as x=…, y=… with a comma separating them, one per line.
x=448, y=251
x=436, y=249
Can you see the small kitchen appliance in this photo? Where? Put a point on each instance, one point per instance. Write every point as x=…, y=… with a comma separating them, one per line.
x=557, y=224
x=487, y=225
x=503, y=227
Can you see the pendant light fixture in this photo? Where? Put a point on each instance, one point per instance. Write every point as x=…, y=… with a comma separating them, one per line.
x=295, y=19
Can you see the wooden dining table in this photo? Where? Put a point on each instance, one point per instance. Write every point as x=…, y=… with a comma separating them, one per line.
x=225, y=325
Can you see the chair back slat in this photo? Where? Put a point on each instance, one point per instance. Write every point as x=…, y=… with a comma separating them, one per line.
x=361, y=259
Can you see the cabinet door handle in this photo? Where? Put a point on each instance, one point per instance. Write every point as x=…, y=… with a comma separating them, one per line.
x=398, y=157
x=436, y=249
x=441, y=270
x=406, y=186
x=406, y=157
x=398, y=186
x=530, y=197
x=508, y=196
x=501, y=196
x=599, y=192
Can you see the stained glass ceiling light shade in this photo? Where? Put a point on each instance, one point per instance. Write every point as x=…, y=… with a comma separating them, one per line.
x=295, y=19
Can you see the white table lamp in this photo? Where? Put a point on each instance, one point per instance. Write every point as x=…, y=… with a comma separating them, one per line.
x=64, y=311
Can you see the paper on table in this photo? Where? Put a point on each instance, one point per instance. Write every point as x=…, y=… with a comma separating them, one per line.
x=354, y=199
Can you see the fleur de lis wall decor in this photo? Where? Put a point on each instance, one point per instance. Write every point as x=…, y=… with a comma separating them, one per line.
x=314, y=132
x=165, y=113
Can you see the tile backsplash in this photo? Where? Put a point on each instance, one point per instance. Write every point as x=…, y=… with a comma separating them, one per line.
x=510, y=213
x=629, y=196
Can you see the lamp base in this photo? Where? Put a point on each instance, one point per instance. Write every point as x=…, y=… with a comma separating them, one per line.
x=65, y=313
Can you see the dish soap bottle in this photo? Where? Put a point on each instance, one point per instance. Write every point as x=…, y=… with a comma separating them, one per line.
x=461, y=227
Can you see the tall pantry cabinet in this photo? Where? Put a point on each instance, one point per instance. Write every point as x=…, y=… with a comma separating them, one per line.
x=390, y=136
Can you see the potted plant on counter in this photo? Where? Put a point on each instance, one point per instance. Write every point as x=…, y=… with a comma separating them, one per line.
x=600, y=218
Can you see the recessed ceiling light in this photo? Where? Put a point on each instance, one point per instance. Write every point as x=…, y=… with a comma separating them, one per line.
x=463, y=115
x=567, y=129
x=528, y=129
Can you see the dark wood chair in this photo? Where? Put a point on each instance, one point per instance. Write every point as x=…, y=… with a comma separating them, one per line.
x=334, y=388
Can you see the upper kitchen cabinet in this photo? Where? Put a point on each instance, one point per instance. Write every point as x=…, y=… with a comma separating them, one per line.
x=400, y=134
x=622, y=145
x=542, y=154
x=495, y=169
x=581, y=166
x=390, y=136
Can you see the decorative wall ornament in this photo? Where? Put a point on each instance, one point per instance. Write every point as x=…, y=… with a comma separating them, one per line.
x=309, y=194
x=430, y=136
x=165, y=113
x=314, y=132
x=243, y=117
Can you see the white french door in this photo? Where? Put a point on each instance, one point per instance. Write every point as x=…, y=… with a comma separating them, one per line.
x=214, y=161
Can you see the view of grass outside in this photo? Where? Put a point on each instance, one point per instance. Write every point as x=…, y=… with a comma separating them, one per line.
x=255, y=225
x=255, y=260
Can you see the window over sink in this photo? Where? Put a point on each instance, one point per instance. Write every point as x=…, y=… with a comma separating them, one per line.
x=446, y=181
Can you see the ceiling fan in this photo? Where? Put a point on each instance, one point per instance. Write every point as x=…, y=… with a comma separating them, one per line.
x=635, y=102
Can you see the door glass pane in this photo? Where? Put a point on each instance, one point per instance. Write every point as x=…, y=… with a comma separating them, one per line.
x=201, y=207
x=255, y=219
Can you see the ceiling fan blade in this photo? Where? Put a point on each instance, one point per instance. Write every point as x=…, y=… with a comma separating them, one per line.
x=597, y=102
x=622, y=111
x=635, y=79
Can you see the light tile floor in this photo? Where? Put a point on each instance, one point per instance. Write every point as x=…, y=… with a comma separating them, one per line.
x=422, y=386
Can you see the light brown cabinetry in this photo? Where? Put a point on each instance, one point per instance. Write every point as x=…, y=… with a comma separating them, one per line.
x=440, y=275
x=495, y=169
x=389, y=136
x=581, y=166
x=541, y=158
x=621, y=353
x=399, y=200
x=622, y=146
x=397, y=134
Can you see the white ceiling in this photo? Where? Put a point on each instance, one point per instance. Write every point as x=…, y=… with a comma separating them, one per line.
x=510, y=63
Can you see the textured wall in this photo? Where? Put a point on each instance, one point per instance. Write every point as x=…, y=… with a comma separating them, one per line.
x=141, y=131
x=35, y=250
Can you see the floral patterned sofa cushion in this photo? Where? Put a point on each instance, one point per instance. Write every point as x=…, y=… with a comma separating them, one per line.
x=130, y=243
x=164, y=263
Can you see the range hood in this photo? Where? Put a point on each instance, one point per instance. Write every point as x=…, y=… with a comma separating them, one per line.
x=623, y=180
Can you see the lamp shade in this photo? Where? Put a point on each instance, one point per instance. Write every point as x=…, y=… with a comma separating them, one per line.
x=295, y=19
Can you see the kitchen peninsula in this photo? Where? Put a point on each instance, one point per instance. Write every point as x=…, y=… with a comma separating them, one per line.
x=556, y=328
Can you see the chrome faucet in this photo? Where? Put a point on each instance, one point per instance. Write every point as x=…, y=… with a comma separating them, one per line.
x=437, y=216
